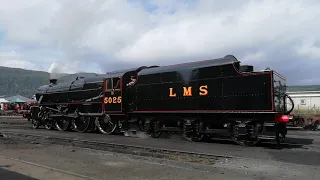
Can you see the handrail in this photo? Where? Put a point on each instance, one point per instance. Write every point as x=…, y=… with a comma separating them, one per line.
x=288, y=112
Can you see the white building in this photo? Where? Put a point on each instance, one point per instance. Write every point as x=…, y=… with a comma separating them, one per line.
x=2, y=100
x=305, y=101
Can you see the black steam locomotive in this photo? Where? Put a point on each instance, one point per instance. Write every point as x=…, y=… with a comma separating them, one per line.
x=212, y=98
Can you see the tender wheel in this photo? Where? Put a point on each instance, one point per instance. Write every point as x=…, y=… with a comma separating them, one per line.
x=106, y=125
x=81, y=124
x=191, y=131
x=155, y=133
x=246, y=142
x=246, y=134
x=152, y=128
x=62, y=124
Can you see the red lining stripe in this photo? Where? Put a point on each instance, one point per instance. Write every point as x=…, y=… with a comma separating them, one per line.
x=104, y=95
x=71, y=103
x=199, y=111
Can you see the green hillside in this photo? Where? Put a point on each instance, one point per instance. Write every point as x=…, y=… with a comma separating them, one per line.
x=15, y=81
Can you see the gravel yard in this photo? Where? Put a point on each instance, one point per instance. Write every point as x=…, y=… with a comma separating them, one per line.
x=31, y=160
x=35, y=160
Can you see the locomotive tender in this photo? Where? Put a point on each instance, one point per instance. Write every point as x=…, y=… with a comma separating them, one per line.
x=200, y=99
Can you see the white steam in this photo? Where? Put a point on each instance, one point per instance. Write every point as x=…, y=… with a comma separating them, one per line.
x=56, y=70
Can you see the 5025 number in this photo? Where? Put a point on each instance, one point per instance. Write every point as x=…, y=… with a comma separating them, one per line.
x=112, y=100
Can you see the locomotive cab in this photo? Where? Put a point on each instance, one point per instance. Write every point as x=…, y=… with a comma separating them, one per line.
x=113, y=94
x=118, y=97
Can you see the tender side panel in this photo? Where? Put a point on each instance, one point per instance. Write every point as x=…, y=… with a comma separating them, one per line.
x=230, y=93
x=279, y=88
x=252, y=92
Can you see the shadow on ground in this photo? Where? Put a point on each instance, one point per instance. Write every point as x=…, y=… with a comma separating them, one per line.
x=10, y=175
x=289, y=143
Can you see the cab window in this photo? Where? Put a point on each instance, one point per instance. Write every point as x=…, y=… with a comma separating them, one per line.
x=116, y=83
x=108, y=85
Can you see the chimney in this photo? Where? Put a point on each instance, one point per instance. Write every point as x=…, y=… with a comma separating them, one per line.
x=53, y=81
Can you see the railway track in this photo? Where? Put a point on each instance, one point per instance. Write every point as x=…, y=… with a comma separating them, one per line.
x=14, y=123
x=169, y=154
x=23, y=123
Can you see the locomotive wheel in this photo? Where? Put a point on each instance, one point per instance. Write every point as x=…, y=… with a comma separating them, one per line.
x=62, y=124
x=316, y=126
x=35, y=124
x=81, y=124
x=49, y=125
x=247, y=141
x=156, y=134
x=92, y=126
x=106, y=125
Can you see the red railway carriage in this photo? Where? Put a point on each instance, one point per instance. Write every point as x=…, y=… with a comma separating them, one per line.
x=212, y=98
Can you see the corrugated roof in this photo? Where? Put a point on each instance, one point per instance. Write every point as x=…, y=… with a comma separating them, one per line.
x=2, y=100
x=18, y=100
x=12, y=98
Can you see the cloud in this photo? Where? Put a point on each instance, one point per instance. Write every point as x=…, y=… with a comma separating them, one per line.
x=254, y=56
x=114, y=34
x=310, y=50
x=14, y=60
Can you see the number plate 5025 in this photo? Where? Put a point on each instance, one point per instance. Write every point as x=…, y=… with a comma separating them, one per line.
x=112, y=100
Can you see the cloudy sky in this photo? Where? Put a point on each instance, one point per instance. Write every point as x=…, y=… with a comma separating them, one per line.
x=104, y=35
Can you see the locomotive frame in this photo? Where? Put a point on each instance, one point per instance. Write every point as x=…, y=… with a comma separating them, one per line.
x=210, y=98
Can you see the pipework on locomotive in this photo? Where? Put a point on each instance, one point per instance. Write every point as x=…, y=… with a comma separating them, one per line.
x=204, y=99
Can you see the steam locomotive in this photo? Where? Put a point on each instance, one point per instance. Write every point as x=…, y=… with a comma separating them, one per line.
x=210, y=98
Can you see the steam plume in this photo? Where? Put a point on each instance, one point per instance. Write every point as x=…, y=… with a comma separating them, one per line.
x=55, y=71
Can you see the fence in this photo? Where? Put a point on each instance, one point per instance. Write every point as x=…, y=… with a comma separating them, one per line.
x=309, y=110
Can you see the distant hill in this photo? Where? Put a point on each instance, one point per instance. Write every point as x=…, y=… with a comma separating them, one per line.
x=304, y=88
x=14, y=81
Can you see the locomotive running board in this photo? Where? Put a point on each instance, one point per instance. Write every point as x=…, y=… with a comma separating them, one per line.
x=62, y=115
x=76, y=115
